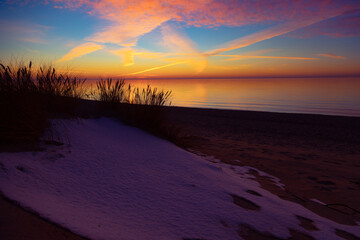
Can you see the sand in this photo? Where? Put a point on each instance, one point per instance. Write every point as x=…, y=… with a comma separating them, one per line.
x=316, y=158
x=16, y=223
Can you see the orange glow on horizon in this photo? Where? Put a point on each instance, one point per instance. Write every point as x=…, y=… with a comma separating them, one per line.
x=188, y=39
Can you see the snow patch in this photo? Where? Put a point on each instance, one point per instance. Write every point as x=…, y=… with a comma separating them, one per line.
x=317, y=201
x=111, y=181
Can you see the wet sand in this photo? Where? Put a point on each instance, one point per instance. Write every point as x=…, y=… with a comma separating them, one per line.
x=17, y=223
x=314, y=156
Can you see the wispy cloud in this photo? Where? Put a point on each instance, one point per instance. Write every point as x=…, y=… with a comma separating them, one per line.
x=156, y=68
x=81, y=50
x=24, y=31
x=206, y=12
x=180, y=43
x=330, y=55
x=242, y=57
x=260, y=51
x=130, y=19
x=127, y=54
x=274, y=31
x=126, y=21
x=176, y=41
x=345, y=25
x=255, y=55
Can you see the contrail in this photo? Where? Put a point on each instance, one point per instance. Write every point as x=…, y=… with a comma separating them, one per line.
x=155, y=68
x=272, y=32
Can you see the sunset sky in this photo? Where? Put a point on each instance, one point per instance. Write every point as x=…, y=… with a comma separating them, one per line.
x=185, y=39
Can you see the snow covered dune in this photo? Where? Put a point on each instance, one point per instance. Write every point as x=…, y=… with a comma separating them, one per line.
x=111, y=181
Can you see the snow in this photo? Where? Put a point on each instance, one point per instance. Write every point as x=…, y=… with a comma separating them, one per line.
x=317, y=201
x=111, y=181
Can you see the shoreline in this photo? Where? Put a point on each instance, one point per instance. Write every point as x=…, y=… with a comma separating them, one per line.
x=315, y=156
x=274, y=111
x=314, y=144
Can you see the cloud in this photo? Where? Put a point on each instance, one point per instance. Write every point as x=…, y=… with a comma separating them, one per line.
x=255, y=55
x=180, y=43
x=330, y=55
x=242, y=57
x=126, y=21
x=24, y=31
x=156, y=68
x=176, y=41
x=261, y=51
x=182, y=50
x=345, y=25
x=274, y=31
x=81, y=50
x=127, y=54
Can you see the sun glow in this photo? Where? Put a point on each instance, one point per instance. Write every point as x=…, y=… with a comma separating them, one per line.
x=207, y=38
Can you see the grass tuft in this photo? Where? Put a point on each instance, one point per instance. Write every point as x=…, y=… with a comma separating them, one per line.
x=26, y=99
x=151, y=96
x=120, y=92
x=49, y=82
x=139, y=107
x=113, y=91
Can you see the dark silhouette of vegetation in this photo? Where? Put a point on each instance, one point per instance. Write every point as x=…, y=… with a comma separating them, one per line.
x=117, y=92
x=138, y=107
x=27, y=100
x=113, y=92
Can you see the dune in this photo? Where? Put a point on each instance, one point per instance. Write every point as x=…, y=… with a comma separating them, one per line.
x=111, y=181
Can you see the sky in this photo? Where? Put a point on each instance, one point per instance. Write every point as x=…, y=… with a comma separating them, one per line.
x=185, y=39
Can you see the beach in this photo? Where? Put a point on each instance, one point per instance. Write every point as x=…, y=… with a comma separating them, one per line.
x=180, y=120
x=314, y=156
x=19, y=223
x=314, y=159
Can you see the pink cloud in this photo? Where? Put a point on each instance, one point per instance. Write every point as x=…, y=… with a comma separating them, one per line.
x=127, y=21
x=24, y=31
x=208, y=12
x=330, y=55
x=242, y=57
x=180, y=43
x=278, y=30
x=346, y=25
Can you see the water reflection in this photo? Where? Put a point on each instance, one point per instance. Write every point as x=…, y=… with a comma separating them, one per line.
x=334, y=96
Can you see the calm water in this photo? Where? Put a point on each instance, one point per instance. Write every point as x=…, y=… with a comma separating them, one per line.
x=332, y=96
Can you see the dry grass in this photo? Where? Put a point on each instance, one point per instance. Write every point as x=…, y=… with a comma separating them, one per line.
x=28, y=98
x=139, y=107
x=49, y=82
x=113, y=91
x=120, y=92
x=151, y=96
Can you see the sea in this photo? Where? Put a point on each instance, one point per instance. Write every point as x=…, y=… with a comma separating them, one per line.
x=327, y=96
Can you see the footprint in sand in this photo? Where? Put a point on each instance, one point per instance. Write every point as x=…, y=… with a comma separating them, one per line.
x=307, y=223
x=345, y=235
x=254, y=193
x=244, y=203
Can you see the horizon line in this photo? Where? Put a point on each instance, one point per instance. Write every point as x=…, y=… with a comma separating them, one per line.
x=236, y=77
